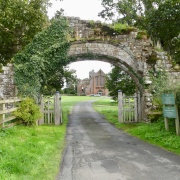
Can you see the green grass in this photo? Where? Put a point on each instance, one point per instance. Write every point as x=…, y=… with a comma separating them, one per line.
x=31, y=152
x=153, y=133
x=34, y=153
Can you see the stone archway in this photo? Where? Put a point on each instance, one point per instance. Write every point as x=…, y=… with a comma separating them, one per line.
x=113, y=54
x=133, y=55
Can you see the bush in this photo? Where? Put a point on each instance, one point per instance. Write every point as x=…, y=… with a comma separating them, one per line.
x=28, y=112
x=122, y=28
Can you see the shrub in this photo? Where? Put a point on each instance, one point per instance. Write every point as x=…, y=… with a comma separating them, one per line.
x=28, y=112
x=163, y=83
x=122, y=28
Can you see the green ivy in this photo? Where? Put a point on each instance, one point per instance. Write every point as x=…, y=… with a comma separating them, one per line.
x=42, y=58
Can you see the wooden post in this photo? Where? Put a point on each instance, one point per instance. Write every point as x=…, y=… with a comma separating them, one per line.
x=135, y=107
x=177, y=123
x=166, y=124
x=139, y=115
x=120, y=106
x=48, y=110
x=61, y=120
x=41, y=121
x=56, y=109
x=2, y=116
x=124, y=110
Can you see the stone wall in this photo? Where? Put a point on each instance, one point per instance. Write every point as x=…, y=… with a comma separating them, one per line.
x=7, y=87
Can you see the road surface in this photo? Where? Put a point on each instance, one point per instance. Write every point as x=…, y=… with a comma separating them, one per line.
x=96, y=150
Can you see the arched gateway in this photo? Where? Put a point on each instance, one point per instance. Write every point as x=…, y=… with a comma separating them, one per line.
x=134, y=55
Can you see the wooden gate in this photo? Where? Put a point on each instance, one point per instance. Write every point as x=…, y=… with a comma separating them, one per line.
x=51, y=109
x=128, y=108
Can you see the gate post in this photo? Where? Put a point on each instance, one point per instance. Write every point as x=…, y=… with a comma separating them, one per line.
x=139, y=102
x=56, y=109
x=41, y=121
x=135, y=107
x=120, y=106
x=61, y=120
x=2, y=116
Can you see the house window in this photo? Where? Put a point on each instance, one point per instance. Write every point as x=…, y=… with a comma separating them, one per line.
x=102, y=81
x=97, y=81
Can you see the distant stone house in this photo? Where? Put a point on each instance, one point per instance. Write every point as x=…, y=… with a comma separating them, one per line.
x=95, y=84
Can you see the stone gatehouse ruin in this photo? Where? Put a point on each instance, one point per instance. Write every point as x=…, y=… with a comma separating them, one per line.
x=136, y=56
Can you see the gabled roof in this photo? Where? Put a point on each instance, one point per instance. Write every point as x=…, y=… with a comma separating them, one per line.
x=100, y=72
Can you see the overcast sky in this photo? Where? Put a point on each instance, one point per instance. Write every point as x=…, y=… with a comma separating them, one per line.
x=86, y=10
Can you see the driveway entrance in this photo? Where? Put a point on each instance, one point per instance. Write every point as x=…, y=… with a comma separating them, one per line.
x=96, y=150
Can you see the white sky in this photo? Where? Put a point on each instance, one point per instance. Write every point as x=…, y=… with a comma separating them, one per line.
x=85, y=10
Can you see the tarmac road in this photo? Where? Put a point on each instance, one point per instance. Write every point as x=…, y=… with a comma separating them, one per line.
x=98, y=151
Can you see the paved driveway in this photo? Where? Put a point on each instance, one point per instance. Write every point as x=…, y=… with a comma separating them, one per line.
x=98, y=151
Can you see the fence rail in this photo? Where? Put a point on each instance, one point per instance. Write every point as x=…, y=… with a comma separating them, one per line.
x=8, y=106
x=50, y=107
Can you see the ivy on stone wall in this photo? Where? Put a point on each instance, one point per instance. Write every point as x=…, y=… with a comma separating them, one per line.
x=43, y=57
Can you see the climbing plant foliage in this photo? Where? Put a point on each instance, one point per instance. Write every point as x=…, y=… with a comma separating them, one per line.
x=42, y=58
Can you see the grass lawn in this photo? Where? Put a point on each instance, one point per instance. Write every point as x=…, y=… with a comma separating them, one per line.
x=153, y=133
x=31, y=152
x=34, y=153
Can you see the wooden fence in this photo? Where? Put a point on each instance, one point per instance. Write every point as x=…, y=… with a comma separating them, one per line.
x=127, y=108
x=6, y=108
x=51, y=109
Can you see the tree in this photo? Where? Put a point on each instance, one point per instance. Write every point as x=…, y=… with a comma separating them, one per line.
x=131, y=12
x=160, y=18
x=19, y=22
x=43, y=58
x=164, y=26
x=56, y=81
x=119, y=80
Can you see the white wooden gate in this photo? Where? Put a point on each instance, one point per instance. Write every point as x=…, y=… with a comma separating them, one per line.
x=51, y=109
x=128, y=110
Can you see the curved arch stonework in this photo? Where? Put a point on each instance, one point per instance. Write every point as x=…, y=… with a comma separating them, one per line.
x=114, y=54
x=123, y=56
x=110, y=53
